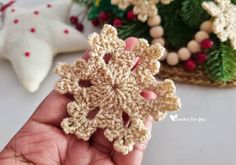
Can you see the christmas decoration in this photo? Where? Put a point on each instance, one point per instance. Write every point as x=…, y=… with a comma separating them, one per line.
x=191, y=30
x=224, y=24
x=108, y=85
x=30, y=38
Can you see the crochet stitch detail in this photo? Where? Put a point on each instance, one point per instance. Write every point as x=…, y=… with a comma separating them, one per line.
x=224, y=24
x=113, y=88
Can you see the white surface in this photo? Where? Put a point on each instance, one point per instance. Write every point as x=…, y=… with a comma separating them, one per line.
x=173, y=143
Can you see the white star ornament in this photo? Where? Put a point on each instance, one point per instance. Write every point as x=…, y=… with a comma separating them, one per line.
x=30, y=38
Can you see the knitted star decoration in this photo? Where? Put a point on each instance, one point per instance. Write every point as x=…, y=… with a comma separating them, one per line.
x=224, y=24
x=30, y=38
x=115, y=86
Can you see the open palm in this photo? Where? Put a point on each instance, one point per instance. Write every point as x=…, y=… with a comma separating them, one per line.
x=41, y=140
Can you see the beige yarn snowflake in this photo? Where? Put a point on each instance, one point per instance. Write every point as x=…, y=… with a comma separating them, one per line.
x=122, y=4
x=224, y=24
x=143, y=8
x=113, y=88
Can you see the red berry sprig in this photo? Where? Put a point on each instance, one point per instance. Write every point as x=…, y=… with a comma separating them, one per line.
x=74, y=20
x=79, y=26
x=95, y=22
x=200, y=57
x=117, y=22
x=103, y=16
x=207, y=43
x=190, y=65
x=130, y=15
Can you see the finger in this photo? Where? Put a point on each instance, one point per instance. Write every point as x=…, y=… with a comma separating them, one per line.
x=130, y=44
x=52, y=110
x=100, y=142
x=86, y=55
x=149, y=95
x=135, y=156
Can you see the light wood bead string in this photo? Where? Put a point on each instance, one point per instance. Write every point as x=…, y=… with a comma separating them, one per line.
x=184, y=53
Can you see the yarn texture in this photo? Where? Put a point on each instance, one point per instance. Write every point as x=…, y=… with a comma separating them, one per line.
x=113, y=88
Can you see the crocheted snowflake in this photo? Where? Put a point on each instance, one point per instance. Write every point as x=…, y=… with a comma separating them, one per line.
x=224, y=24
x=122, y=4
x=113, y=88
x=143, y=8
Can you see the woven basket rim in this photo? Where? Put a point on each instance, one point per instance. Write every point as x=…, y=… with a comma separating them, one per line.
x=198, y=77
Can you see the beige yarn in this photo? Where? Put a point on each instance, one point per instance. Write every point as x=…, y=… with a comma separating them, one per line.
x=122, y=4
x=224, y=24
x=115, y=90
x=143, y=8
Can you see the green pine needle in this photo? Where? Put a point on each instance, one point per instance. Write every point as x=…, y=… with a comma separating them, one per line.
x=192, y=12
x=134, y=29
x=177, y=32
x=221, y=63
x=104, y=5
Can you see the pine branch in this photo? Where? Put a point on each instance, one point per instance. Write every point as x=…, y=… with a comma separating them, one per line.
x=135, y=29
x=221, y=63
x=177, y=32
x=192, y=12
x=104, y=5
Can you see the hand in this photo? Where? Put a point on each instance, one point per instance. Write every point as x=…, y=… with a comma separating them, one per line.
x=41, y=141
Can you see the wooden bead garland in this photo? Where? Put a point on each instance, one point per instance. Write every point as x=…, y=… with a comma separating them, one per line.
x=154, y=21
x=193, y=46
x=172, y=59
x=156, y=31
x=185, y=53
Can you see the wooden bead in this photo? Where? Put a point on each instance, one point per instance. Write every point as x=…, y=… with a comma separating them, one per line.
x=172, y=59
x=184, y=54
x=206, y=26
x=154, y=21
x=159, y=40
x=201, y=35
x=193, y=46
x=157, y=32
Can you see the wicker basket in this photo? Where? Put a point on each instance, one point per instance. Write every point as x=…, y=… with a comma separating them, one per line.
x=198, y=77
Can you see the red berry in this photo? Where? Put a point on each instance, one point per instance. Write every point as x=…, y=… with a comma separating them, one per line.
x=117, y=22
x=74, y=20
x=32, y=30
x=49, y=5
x=190, y=65
x=201, y=58
x=95, y=22
x=207, y=43
x=130, y=15
x=103, y=16
x=66, y=31
x=27, y=54
x=16, y=21
x=80, y=27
